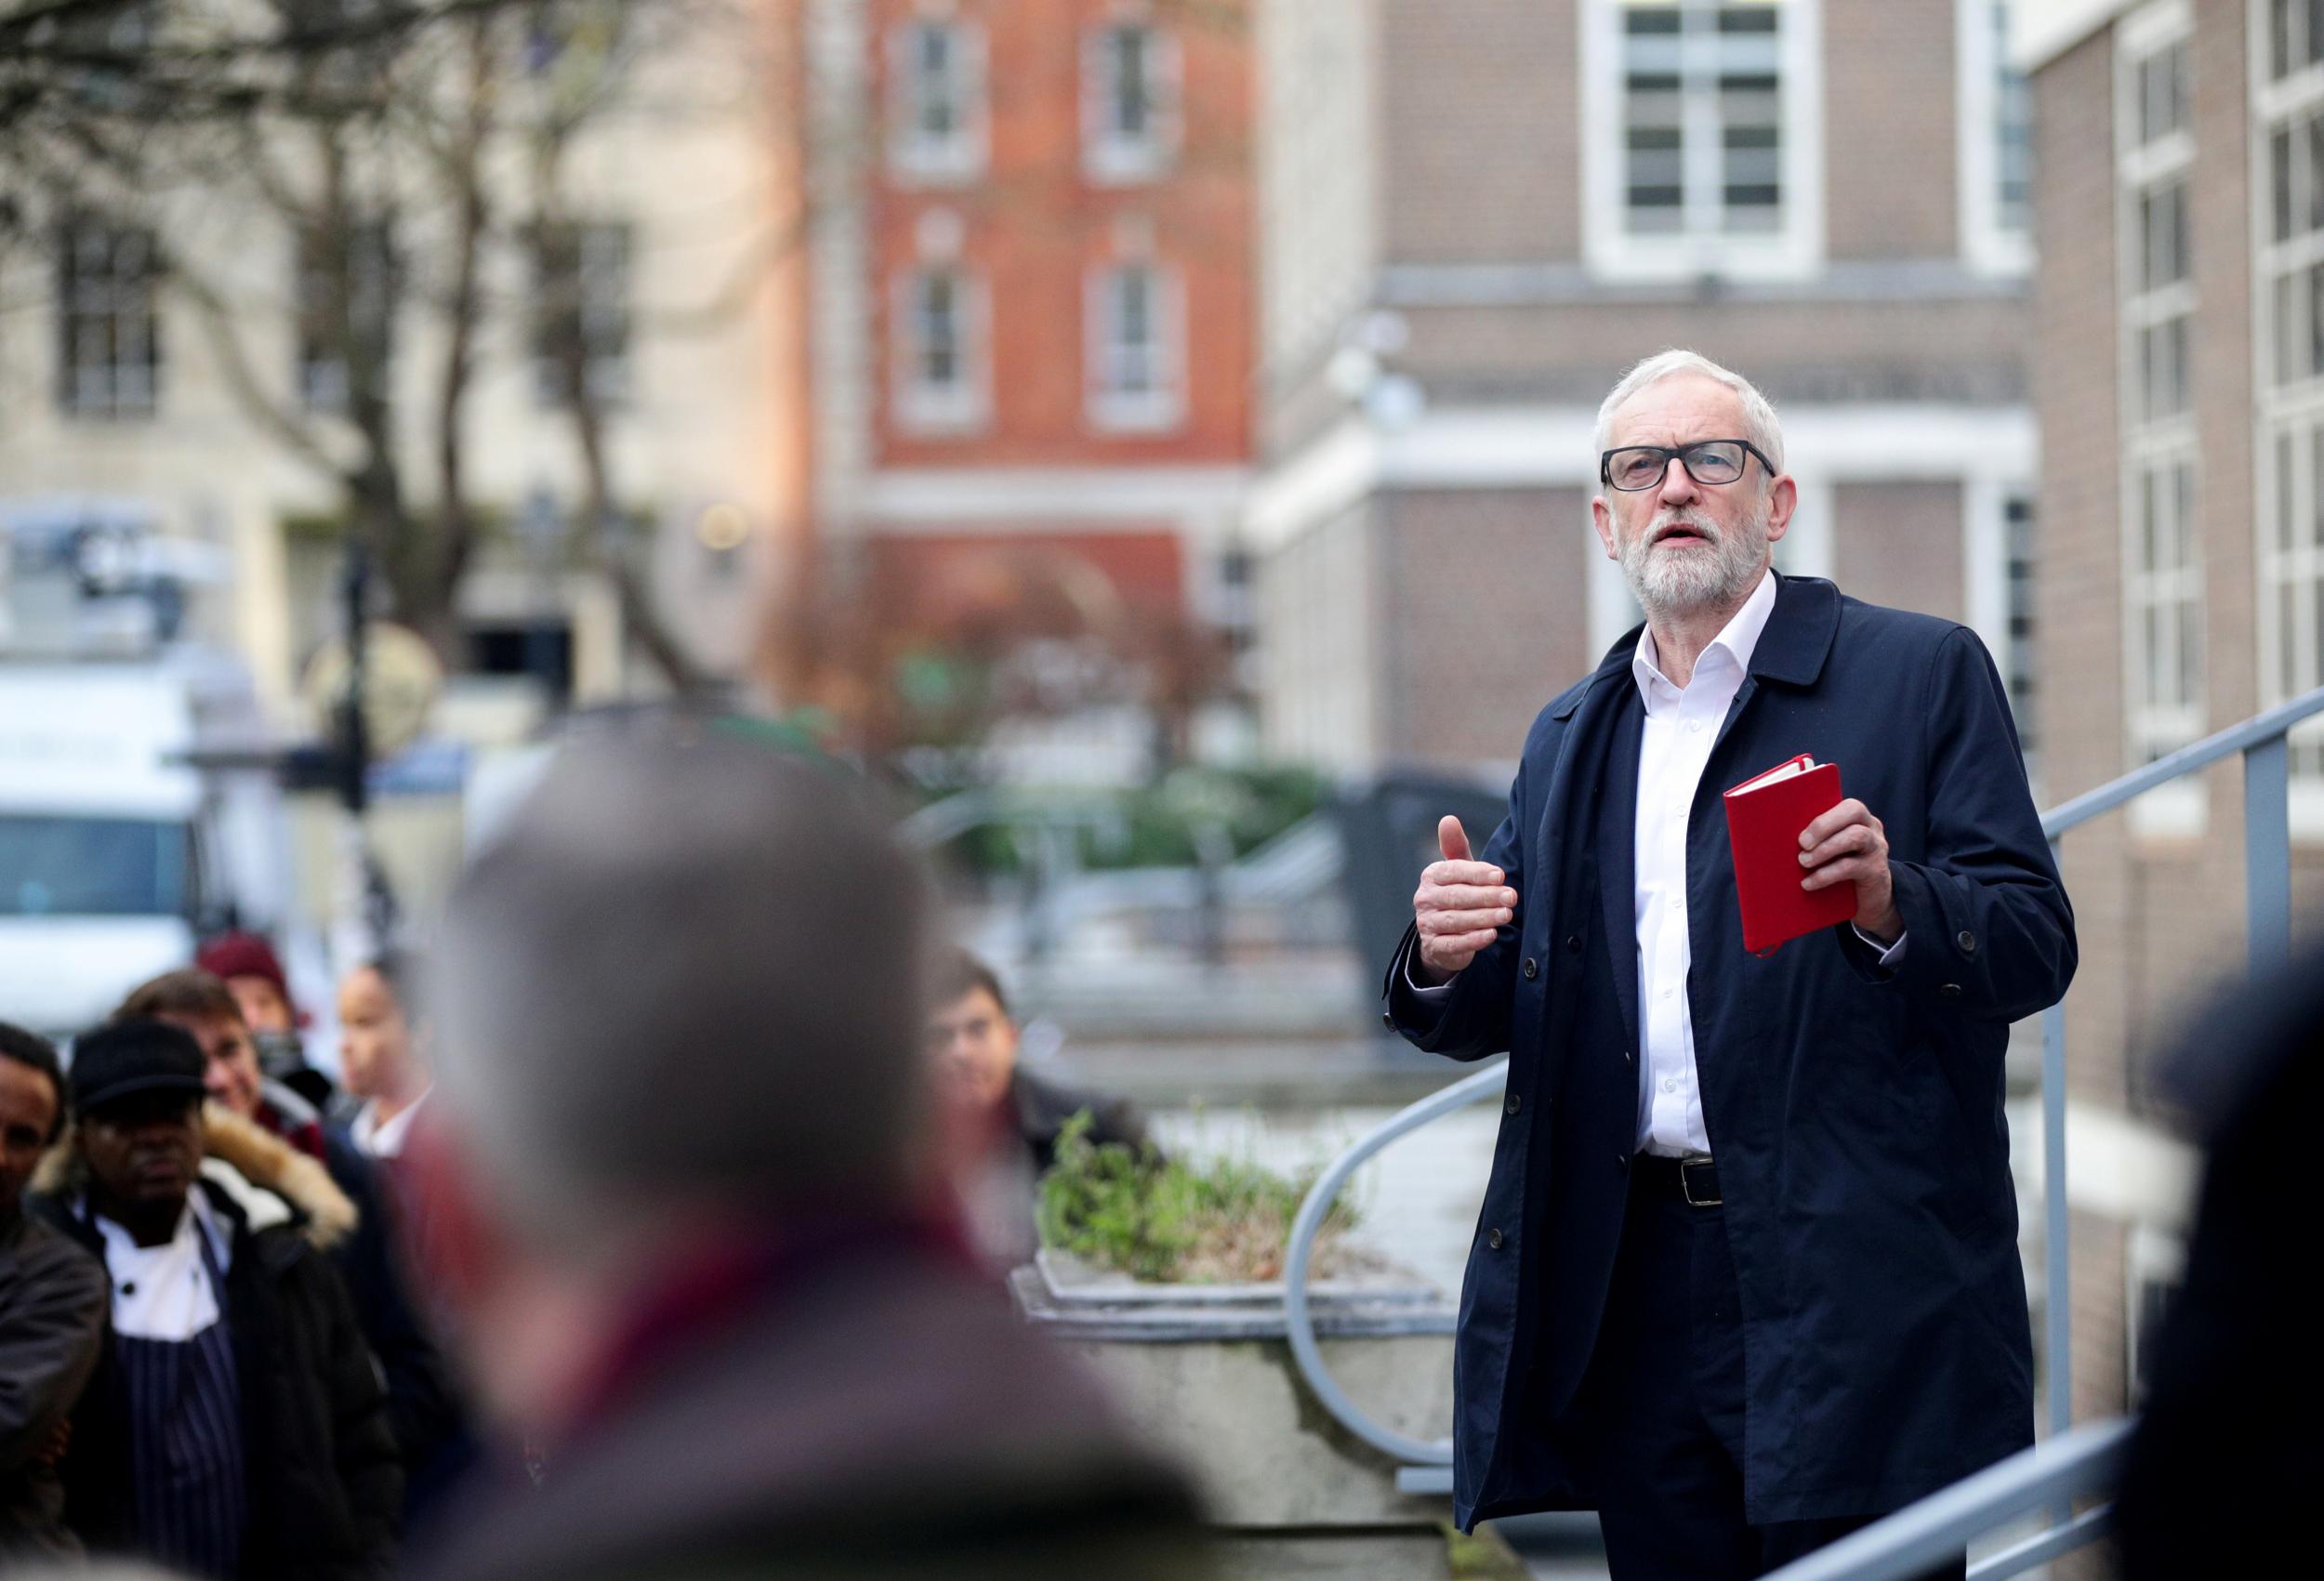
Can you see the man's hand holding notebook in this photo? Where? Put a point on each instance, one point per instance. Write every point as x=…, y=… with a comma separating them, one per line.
x=1766, y=815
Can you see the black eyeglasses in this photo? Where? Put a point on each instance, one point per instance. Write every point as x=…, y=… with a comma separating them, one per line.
x=1636, y=467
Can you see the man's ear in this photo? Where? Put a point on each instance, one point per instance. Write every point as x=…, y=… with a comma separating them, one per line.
x=1602, y=517
x=1783, y=498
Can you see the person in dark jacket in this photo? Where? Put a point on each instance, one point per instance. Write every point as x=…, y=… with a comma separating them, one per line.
x=1003, y=1120
x=235, y=1425
x=680, y=1165
x=2224, y=1472
x=247, y=964
x=423, y=1397
x=52, y=1311
x=974, y=1040
x=1747, y=1274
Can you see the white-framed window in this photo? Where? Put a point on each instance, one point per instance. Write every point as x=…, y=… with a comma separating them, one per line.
x=2162, y=560
x=109, y=358
x=936, y=99
x=2288, y=302
x=1703, y=151
x=940, y=332
x=1136, y=333
x=582, y=311
x=368, y=280
x=1129, y=100
x=1995, y=135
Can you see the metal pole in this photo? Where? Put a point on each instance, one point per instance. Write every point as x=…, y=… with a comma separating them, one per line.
x=2267, y=853
x=2056, y=1259
x=354, y=732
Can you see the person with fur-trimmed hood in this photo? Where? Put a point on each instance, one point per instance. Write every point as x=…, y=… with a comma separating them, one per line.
x=235, y=1425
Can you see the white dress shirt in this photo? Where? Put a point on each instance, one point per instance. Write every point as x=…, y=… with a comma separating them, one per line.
x=165, y=1292
x=385, y=1141
x=1681, y=726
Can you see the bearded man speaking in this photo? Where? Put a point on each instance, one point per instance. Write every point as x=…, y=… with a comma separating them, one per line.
x=1747, y=1275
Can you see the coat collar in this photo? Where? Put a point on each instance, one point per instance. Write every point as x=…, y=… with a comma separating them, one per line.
x=1791, y=649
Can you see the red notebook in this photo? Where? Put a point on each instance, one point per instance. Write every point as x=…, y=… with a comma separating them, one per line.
x=1765, y=815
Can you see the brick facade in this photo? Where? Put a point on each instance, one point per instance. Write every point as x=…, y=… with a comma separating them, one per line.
x=1492, y=336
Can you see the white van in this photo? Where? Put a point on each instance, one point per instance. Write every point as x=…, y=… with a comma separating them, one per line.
x=115, y=850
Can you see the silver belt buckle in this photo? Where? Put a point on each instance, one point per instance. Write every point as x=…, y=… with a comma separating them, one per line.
x=1687, y=1185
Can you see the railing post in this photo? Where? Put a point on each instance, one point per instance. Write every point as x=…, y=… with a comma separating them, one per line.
x=2267, y=853
x=2057, y=1262
x=2056, y=1257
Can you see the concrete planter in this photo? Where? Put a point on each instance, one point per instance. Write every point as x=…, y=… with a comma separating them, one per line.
x=1207, y=1370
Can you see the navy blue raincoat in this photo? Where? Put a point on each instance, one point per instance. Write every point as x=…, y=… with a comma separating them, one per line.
x=1855, y=1113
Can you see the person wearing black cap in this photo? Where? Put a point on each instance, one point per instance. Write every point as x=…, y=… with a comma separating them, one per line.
x=52, y=1311
x=235, y=1425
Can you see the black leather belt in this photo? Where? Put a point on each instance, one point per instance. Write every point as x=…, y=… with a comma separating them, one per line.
x=1693, y=1181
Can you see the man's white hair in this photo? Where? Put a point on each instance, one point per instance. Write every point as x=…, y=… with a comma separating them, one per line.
x=1758, y=415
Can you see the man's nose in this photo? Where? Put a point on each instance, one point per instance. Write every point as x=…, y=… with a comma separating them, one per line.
x=1678, y=483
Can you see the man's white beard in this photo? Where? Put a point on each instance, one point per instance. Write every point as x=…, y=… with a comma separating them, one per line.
x=1682, y=582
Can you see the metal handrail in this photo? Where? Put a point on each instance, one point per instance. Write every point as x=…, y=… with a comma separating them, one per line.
x=1304, y=1229
x=2053, y=1473
x=2074, y=1461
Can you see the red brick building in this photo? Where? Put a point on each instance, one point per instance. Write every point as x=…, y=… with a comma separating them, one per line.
x=1030, y=300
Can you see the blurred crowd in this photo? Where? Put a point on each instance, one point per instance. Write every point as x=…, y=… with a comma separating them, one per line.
x=653, y=1226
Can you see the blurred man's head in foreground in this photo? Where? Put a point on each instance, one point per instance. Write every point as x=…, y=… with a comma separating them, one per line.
x=680, y=1001
x=972, y=1036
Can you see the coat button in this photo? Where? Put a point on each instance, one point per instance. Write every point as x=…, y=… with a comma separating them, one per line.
x=1533, y=969
x=1949, y=991
x=1967, y=941
x=1573, y=943
x=1514, y=1104
x=1493, y=1239
x=1629, y=1058
x=1621, y=1163
x=1388, y=1019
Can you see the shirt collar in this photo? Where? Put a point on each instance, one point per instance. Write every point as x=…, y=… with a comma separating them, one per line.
x=1736, y=640
x=386, y=1141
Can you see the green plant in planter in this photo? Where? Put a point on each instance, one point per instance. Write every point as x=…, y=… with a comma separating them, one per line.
x=1223, y=1221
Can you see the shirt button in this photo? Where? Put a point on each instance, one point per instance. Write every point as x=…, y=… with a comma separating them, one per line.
x=1694, y=727
x=1666, y=993
x=1669, y=1084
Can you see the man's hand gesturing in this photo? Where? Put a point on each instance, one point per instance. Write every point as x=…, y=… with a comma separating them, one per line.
x=1459, y=905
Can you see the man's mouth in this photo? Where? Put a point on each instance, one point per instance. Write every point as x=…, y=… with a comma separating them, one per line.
x=1680, y=533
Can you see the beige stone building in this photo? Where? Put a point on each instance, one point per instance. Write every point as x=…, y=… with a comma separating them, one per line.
x=120, y=408
x=1475, y=215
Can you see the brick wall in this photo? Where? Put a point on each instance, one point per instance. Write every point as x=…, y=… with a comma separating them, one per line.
x=1035, y=226
x=1900, y=544
x=1889, y=103
x=2079, y=597
x=1485, y=616
x=1481, y=132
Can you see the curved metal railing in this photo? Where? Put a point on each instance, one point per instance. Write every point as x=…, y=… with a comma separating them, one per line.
x=1320, y=1197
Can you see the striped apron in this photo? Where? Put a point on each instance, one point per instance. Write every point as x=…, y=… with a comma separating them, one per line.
x=186, y=1449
